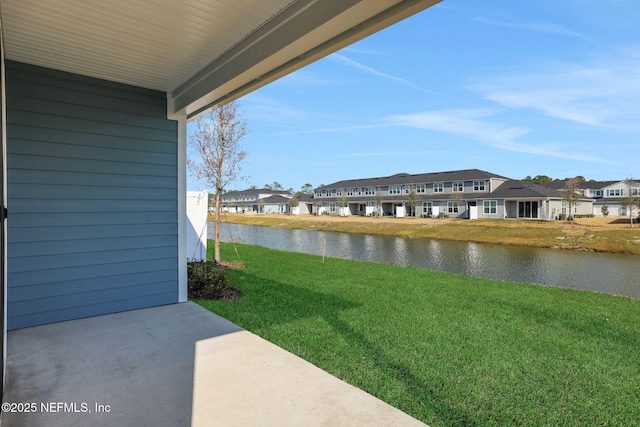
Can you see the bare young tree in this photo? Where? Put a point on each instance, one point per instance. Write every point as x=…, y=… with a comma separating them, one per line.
x=216, y=141
x=631, y=199
x=378, y=201
x=293, y=203
x=343, y=202
x=571, y=197
x=412, y=201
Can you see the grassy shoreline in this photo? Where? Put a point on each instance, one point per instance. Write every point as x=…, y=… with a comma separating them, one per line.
x=449, y=350
x=591, y=234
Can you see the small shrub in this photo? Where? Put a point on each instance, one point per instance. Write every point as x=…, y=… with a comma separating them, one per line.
x=443, y=215
x=208, y=280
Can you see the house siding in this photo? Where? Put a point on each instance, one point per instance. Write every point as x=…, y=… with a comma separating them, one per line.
x=92, y=194
x=500, y=209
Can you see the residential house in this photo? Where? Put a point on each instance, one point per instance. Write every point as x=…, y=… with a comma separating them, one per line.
x=468, y=193
x=613, y=194
x=277, y=204
x=305, y=204
x=255, y=200
x=95, y=100
x=266, y=201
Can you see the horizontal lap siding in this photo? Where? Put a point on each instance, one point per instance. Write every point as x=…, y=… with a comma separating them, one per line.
x=92, y=188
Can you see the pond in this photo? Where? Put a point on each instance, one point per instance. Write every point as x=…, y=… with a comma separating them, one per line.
x=610, y=273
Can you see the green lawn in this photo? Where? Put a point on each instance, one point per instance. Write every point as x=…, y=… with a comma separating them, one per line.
x=449, y=350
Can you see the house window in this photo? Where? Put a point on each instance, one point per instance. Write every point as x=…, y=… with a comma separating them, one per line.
x=458, y=186
x=395, y=189
x=478, y=185
x=427, y=208
x=318, y=193
x=339, y=192
x=452, y=207
x=359, y=190
x=490, y=207
x=615, y=193
x=597, y=193
x=349, y=191
x=332, y=207
x=421, y=188
x=438, y=188
x=370, y=191
x=407, y=189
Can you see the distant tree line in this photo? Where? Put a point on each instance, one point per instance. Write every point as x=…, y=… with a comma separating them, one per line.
x=276, y=186
x=544, y=179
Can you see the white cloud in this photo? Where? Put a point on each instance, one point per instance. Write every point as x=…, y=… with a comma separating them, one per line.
x=335, y=129
x=603, y=93
x=391, y=153
x=476, y=124
x=539, y=26
x=470, y=123
x=305, y=77
x=548, y=149
x=266, y=109
x=341, y=59
x=352, y=49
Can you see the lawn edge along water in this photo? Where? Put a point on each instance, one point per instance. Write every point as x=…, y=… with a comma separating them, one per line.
x=449, y=350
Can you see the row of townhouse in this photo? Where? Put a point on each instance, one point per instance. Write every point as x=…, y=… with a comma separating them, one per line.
x=468, y=193
x=257, y=200
x=615, y=195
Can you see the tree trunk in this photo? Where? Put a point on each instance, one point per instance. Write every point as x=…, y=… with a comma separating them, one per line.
x=216, y=244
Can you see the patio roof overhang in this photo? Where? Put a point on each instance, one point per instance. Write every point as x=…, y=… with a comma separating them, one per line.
x=201, y=53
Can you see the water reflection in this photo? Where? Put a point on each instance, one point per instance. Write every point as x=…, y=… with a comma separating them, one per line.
x=400, y=252
x=473, y=260
x=611, y=273
x=435, y=255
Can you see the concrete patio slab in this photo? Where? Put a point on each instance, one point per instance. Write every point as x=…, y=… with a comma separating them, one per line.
x=175, y=365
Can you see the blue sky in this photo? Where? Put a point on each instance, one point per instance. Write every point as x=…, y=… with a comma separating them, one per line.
x=511, y=87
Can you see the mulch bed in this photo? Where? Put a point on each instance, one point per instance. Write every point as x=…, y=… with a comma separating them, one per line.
x=230, y=294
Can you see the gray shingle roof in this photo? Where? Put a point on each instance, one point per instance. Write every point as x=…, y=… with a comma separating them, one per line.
x=305, y=197
x=275, y=199
x=521, y=189
x=561, y=184
x=404, y=178
x=254, y=192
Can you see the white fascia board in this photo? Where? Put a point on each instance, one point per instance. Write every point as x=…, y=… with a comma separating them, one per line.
x=301, y=34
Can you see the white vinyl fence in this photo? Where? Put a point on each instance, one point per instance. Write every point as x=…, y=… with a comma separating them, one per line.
x=197, y=204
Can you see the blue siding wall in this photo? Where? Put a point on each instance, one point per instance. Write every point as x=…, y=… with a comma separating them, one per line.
x=92, y=189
